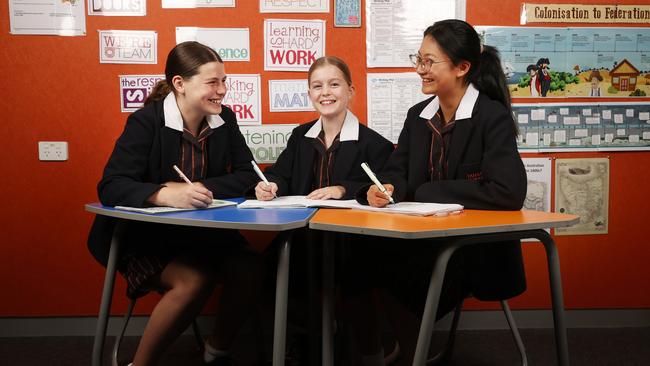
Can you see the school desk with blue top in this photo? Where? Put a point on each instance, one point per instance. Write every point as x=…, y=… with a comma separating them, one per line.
x=472, y=227
x=230, y=217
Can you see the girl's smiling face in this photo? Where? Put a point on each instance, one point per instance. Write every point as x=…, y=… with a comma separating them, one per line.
x=436, y=70
x=205, y=91
x=329, y=91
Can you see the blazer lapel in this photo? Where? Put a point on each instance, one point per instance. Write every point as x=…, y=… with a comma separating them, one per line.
x=171, y=152
x=306, y=163
x=348, y=151
x=422, y=150
x=459, y=139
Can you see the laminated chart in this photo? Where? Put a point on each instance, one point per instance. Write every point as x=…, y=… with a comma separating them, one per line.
x=585, y=127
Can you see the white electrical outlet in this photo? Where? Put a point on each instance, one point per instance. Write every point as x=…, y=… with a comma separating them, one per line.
x=52, y=150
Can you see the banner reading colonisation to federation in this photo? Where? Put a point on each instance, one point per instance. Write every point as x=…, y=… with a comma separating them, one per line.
x=581, y=13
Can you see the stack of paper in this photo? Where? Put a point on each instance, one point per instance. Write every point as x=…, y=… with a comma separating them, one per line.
x=296, y=202
x=417, y=208
x=409, y=208
x=165, y=209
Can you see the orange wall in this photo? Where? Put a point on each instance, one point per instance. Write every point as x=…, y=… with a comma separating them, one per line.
x=55, y=89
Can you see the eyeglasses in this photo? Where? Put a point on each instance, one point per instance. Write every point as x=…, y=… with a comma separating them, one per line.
x=426, y=63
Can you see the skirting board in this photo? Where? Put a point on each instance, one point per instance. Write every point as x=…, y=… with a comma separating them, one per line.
x=470, y=320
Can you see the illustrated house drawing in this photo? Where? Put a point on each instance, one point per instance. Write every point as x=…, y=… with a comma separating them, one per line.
x=624, y=76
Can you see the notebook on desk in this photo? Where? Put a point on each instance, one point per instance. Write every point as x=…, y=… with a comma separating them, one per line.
x=408, y=208
x=295, y=202
x=417, y=208
x=166, y=209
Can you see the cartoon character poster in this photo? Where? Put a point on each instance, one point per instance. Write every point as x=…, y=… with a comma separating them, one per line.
x=573, y=62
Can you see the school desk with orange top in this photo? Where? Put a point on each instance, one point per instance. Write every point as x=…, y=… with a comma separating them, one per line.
x=471, y=227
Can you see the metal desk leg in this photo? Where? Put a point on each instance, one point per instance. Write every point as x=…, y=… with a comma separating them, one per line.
x=556, y=297
x=281, y=295
x=328, y=299
x=107, y=297
x=431, y=305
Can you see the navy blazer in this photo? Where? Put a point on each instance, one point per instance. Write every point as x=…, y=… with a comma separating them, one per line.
x=484, y=172
x=142, y=162
x=292, y=172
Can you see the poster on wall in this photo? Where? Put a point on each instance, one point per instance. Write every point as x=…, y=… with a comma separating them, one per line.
x=292, y=44
x=117, y=8
x=171, y=4
x=267, y=141
x=347, y=13
x=538, y=195
x=134, y=90
x=128, y=47
x=584, y=13
x=303, y=6
x=244, y=97
x=563, y=127
x=394, y=28
x=47, y=17
x=232, y=44
x=573, y=62
x=389, y=98
x=582, y=188
x=289, y=96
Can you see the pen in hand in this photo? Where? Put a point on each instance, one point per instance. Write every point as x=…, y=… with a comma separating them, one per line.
x=259, y=173
x=374, y=179
x=183, y=176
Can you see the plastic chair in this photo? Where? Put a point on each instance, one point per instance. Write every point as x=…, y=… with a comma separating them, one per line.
x=446, y=353
x=125, y=323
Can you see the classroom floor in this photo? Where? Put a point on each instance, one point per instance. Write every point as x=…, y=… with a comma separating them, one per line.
x=593, y=347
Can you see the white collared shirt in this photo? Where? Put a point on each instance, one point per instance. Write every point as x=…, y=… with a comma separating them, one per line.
x=174, y=119
x=349, y=131
x=464, y=109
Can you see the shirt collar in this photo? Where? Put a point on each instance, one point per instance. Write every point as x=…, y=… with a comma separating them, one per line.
x=349, y=131
x=465, y=107
x=174, y=120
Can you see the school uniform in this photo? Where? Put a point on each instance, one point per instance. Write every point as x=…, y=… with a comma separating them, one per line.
x=152, y=142
x=478, y=167
x=306, y=164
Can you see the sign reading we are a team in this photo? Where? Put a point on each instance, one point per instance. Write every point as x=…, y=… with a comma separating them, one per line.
x=128, y=47
x=292, y=44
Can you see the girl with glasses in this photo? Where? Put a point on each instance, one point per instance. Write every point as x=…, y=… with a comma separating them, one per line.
x=459, y=146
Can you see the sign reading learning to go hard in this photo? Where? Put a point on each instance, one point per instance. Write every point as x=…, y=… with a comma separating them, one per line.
x=232, y=44
x=292, y=45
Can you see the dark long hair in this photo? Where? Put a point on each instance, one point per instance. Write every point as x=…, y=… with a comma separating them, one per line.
x=183, y=60
x=460, y=42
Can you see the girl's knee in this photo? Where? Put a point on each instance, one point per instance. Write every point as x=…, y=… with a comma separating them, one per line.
x=192, y=282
